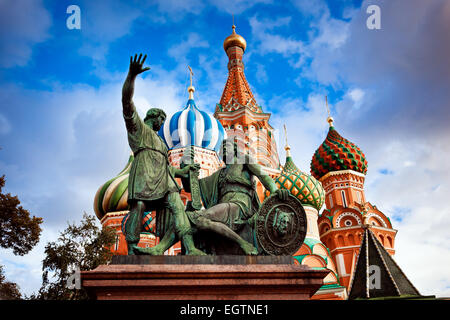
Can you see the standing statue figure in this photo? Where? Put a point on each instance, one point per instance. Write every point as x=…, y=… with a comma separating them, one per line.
x=152, y=184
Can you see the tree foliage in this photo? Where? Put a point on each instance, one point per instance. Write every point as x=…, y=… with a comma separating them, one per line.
x=18, y=230
x=8, y=290
x=84, y=247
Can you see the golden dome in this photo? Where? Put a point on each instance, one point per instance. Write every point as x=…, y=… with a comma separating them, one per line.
x=234, y=40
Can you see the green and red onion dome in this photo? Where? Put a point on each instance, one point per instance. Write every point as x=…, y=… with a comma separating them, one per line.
x=337, y=153
x=113, y=194
x=301, y=185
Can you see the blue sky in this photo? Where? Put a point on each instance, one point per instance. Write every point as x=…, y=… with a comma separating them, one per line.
x=62, y=133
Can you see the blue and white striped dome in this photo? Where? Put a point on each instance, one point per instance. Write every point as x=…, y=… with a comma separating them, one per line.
x=192, y=126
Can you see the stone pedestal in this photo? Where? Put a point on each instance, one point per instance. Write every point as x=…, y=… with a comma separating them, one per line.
x=202, y=278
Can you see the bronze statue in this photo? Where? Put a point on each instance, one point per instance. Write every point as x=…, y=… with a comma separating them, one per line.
x=152, y=184
x=230, y=201
x=282, y=222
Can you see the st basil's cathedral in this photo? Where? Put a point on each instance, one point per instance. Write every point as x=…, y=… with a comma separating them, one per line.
x=336, y=179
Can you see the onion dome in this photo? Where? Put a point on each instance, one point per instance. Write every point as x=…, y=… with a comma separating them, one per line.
x=192, y=126
x=301, y=185
x=337, y=153
x=113, y=195
x=148, y=223
x=234, y=40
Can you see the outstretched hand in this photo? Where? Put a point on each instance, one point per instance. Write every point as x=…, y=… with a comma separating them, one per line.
x=136, y=65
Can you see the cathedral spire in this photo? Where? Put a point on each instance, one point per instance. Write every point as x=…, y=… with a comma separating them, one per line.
x=191, y=88
x=287, y=147
x=241, y=116
x=237, y=93
x=330, y=118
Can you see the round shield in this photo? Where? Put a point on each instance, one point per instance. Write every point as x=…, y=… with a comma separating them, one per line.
x=281, y=225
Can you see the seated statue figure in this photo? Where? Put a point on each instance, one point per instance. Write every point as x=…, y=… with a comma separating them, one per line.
x=230, y=203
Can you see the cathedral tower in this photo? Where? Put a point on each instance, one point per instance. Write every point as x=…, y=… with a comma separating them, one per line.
x=242, y=118
x=341, y=167
x=313, y=252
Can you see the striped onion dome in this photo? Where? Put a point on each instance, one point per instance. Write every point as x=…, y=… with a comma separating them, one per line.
x=192, y=126
x=113, y=194
x=301, y=185
x=337, y=153
x=148, y=223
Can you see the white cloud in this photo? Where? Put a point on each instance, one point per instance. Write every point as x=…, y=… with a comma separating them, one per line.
x=22, y=25
x=237, y=6
x=326, y=36
x=356, y=94
x=268, y=41
x=180, y=50
x=422, y=240
x=311, y=8
x=261, y=73
x=26, y=270
x=176, y=9
x=413, y=195
x=305, y=123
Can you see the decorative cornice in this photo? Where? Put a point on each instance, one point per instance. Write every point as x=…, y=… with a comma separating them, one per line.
x=341, y=172
x=112, y=215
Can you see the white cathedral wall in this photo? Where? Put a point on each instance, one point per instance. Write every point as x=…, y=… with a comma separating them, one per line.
x=312, y=230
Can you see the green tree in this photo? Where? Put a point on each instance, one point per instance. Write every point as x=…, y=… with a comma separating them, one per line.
x=84, y=247
x=8, y=290
x=18, y=230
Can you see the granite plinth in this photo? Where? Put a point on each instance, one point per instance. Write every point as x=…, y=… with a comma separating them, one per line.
x=171, y=278
x=209, y=259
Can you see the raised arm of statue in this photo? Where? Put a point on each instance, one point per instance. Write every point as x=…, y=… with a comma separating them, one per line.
x=136, y=67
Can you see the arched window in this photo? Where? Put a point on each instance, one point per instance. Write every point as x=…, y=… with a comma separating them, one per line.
x=351, y=239
x=389, y=242
x=340, y=240
x=381, y=239
x=359, y=197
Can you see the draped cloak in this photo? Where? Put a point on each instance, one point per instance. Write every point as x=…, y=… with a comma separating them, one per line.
x=151, y=177
x=209, y=190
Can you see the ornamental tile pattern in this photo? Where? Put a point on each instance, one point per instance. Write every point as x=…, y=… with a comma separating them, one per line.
x=337, y=153
x=301, y=185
